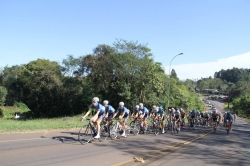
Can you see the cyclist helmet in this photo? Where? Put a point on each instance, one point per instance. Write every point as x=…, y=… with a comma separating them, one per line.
x=181, y=109
x=105, y=102
x=137, y=106
x=121, y=104
x=95, y=100
x=141, y=105
x=160, y=108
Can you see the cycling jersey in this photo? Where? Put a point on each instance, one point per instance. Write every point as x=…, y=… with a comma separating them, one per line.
x=215, y=115
x=182, y=114
x=124, y=109
x=110, y=110
x=135, y=111
x=154, y=112
x=192, y=114
x=160, y=113
x=229, y=117
x=202, y=114
x=99, y=107
x=177, y=115
x=144, y=110
x=205, y=115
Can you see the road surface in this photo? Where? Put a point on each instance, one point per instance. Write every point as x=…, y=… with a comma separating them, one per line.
x=197, y=147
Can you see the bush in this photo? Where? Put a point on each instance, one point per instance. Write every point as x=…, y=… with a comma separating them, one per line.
x=19, y=107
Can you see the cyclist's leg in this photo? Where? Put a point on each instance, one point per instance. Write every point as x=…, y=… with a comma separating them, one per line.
x=162, y=124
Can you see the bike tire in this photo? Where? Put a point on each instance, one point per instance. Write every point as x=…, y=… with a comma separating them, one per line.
x=85, y=135
x=104, y=133
x=113, y=131
x=156, y=129
x=134, y=128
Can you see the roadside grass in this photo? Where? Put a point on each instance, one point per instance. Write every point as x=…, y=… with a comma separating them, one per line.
x=28, y=125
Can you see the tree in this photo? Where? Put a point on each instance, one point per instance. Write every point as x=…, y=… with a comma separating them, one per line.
x=173, y=74
x=3, y=93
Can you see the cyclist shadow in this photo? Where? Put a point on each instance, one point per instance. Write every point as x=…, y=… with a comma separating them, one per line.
x=68, y=139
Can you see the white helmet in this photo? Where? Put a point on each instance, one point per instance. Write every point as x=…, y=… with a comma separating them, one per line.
x=141, y=105
x=137, y=106
x=95, y=99
x=105, y=102
x=121, y=104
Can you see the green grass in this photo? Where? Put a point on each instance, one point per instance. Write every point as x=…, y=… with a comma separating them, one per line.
x=20, y=125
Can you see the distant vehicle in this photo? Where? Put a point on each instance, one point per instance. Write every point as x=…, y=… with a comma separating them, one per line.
x=210, y=105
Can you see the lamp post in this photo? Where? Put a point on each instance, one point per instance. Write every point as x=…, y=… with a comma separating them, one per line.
x=169, y=76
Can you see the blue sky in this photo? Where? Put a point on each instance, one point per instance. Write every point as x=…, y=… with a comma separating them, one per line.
x=205, y=31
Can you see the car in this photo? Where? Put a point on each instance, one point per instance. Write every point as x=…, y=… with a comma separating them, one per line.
x=210, y=105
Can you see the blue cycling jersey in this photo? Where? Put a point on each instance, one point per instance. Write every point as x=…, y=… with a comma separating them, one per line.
x=110, y=109
x=144, y=110
x=160, y=112
x=98, y=107
x=124, y=109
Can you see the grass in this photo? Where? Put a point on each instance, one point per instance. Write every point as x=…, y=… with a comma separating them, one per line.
x=20, y=125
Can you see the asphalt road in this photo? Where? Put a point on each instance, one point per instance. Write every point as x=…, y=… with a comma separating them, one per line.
x=190, y=147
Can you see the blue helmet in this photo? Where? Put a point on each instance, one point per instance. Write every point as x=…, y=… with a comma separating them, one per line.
x=160, y=107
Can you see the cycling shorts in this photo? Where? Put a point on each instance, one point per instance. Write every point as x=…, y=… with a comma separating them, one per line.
x=145, y=117
x=126, y=118
x=111, y=115
x=215, y=119
x=101, y=116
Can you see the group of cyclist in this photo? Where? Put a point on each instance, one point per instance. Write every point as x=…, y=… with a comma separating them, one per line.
x=214, y=117
x=157, y=114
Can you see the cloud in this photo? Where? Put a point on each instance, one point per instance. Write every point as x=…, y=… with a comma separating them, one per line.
x=204, y=70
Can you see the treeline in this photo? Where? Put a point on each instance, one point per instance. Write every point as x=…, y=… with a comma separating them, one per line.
x=124, y=71
x=233, y=82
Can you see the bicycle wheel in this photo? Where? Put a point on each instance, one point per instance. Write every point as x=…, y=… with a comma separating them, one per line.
x=156, y=128
x=104, y=133
x=113, y=131
x=135, y=128
x=85, y=134
x=128, y=130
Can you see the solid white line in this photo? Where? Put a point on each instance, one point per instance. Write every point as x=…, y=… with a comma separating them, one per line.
x=21, y=140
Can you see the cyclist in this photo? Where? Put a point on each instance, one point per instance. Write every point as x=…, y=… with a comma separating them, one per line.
x=202, y=118
x=192, y=116
x=219, y=118
x=135, y=113
x=161, y=115
x=182, y=117
x=177, y=118
x=153, y=112
x=215, y=117
x=198, y=118
x=110, y=111
x=124, y=115
x=229, y=118
x=98, y=117
x=206, y=117
x=144, y=115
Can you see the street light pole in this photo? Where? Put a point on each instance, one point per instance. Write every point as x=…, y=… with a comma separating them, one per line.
x=169, y=76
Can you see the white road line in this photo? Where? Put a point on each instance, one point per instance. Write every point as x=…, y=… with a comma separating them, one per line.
x=22, y=140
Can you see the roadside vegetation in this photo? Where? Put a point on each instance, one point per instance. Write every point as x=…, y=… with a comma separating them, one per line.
x=124, y=71
x=233, y=83
x=8, y=125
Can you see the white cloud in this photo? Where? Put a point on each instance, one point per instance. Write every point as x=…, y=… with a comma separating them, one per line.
x=198, y=70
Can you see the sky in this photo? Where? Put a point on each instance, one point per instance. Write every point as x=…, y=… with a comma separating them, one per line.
x=210, y=34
